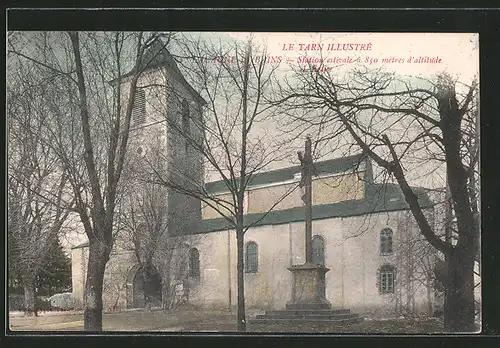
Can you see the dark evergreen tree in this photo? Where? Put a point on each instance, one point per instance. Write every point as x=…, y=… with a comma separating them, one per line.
x=55, y=274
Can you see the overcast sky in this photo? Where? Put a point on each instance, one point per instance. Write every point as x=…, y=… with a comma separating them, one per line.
x=458, y=54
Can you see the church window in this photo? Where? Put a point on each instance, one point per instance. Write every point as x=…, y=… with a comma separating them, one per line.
x=386, y=241
x=194, y=263
x=386, y=279
x=252, y=258
x=139, y=108
x=318, y=250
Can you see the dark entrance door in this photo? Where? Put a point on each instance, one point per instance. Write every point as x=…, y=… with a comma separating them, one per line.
x=138, y=290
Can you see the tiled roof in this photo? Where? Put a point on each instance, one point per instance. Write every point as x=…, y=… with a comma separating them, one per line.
x=380, y=198
x=333, y=166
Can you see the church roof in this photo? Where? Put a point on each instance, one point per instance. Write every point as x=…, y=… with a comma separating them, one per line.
x=333, y=166
x=158, y=56
x=379, y=198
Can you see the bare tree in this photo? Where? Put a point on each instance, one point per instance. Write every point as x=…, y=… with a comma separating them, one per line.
x=408, y=126
x=93, y=125
x=38, y=203
x=228, y=142
x=416, y=261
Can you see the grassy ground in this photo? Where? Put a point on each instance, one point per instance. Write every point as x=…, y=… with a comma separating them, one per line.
x=120, y=321
x=199, y=321
x=393, y=326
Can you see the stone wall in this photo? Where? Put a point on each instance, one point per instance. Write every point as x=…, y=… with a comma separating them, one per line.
x=351, y=252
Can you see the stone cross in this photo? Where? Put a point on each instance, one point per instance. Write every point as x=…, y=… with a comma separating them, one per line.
x=306, y=182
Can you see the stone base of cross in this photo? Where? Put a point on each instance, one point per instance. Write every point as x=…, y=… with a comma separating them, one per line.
x=308, y=287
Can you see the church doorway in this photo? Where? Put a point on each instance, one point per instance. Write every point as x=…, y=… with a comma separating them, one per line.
x=137, y=300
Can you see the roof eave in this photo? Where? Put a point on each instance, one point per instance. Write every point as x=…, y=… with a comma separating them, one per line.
x=80, y=246
x=179, y=78
x=214, y=187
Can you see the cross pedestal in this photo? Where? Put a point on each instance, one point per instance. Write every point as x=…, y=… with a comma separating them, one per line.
x=308, y=289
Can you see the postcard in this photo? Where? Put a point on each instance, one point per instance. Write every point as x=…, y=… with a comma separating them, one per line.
x=312, y=182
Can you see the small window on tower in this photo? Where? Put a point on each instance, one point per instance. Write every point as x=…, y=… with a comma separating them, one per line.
x=139, y=109
x=194, y=263
x=186, y=127
x=185, y=117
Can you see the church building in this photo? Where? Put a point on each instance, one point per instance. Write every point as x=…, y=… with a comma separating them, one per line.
x=363, y=231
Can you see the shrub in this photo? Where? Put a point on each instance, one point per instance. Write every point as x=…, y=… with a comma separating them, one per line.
x=64, y=301
x=16, y=302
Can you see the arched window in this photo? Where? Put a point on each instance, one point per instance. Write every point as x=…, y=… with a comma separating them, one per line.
x=252, y=258
x=194, y=263
x=386, y=241
x=386, y=279
x=318, y=250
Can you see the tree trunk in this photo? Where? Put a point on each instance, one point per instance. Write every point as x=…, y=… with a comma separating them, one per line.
x=241, y=282
x=93, y=306
x=459, y=300
x=29, y=297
